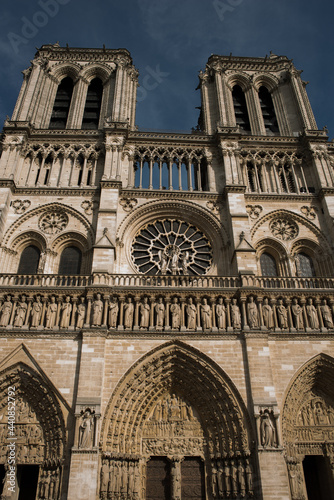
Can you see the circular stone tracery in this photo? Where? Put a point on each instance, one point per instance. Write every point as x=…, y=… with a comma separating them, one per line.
x=53, y=223
x=169, y=246
x=284, y=229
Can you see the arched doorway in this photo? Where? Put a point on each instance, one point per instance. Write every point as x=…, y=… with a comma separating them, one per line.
x=308, y=430
x=177, y=425
x=37, y=437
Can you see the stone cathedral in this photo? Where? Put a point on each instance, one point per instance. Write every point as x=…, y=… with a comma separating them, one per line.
x=166, y=299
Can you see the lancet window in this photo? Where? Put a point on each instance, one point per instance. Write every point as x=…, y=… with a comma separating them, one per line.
x=240, y=108
x=268, y=111
x=29, y=260
x=70, y=261
x=92, y=109
x=62, y=104
x=268, y=265
x=182, y=172
x=304, y=264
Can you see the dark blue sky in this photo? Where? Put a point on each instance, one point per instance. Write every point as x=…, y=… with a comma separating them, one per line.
x=174, y=38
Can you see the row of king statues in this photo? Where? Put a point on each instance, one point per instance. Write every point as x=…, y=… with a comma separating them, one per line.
x=177, y=313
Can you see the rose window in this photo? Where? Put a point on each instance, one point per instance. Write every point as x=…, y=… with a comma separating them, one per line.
x=53, y=222
x=170, y=246
x=284, y=229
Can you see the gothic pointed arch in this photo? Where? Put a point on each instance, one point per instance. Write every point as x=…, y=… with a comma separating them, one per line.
x=40, y=416
x=177, y=401
x=177, y=368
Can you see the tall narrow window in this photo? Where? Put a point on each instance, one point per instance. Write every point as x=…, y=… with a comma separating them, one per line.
x=305, y=268
x=268, y=112
x=70, y=261
x=240, y=108
x=93, y=105
x=62, y=103
x=29, y=260
x=268, y=265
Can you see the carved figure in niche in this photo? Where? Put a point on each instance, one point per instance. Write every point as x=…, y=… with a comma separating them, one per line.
x=157, y=414
x=175, y=260
x=267, y=313
x=128, y=314
x=51, y=313
x=21, y=311
x=297, y=314
x=267, y=430
x=144, y=314
x=312, y=315
x=249, y=476
x=191, y=314
x=235, y=315
x=296, y=481
x=234, y=477
x=175, y=411
x=241, y=479
x=86, y=429
x=81, y=313
x=176, y=314
x=227, y=478
x=214, y=482
x=97, y=308
x=66, y=309
x=282, y=315
x=160, y=313
x=253, y=316
x=221, y=314
x=206, y=315
x=6, y=310
x=163, y=260
x=326, y=314
x=184, y=262
x=113, y=312
x=36, y=312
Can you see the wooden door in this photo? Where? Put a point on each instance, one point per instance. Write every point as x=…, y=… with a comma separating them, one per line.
x=192, y=479
x=158, y=479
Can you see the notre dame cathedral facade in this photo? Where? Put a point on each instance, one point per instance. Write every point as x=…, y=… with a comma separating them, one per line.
x=167, y=299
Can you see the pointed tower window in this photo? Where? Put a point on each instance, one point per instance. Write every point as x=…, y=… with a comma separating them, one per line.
x=268, y=265
x=268, y=112
x=62, y=103
x=92, y=110
x=240, y=108
x=304, y=264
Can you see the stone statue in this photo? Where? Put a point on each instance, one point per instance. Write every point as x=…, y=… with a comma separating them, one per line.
x=81, y=313
x=160, y=313
x=206, y=315
x=36, y=312
x=21, y=311
x=312, y=315
x=268, y=315
x=326, y=314
x=163, y=260
x=282, y=315
x=235, y=315
x=221, y=314
x=128, y=314
x=144, y=314
x=113, y=313
x=241, y=479
x=97, y=308
x=184, y=262
x=66, y=309
x=86, y=430
x=176, y=314
x=297, y=314
x=104, y=478
x=6, y=310
x=191, y=314
x=267, y=429
x=252, y=312
x=51, y=313
x=175, y=260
